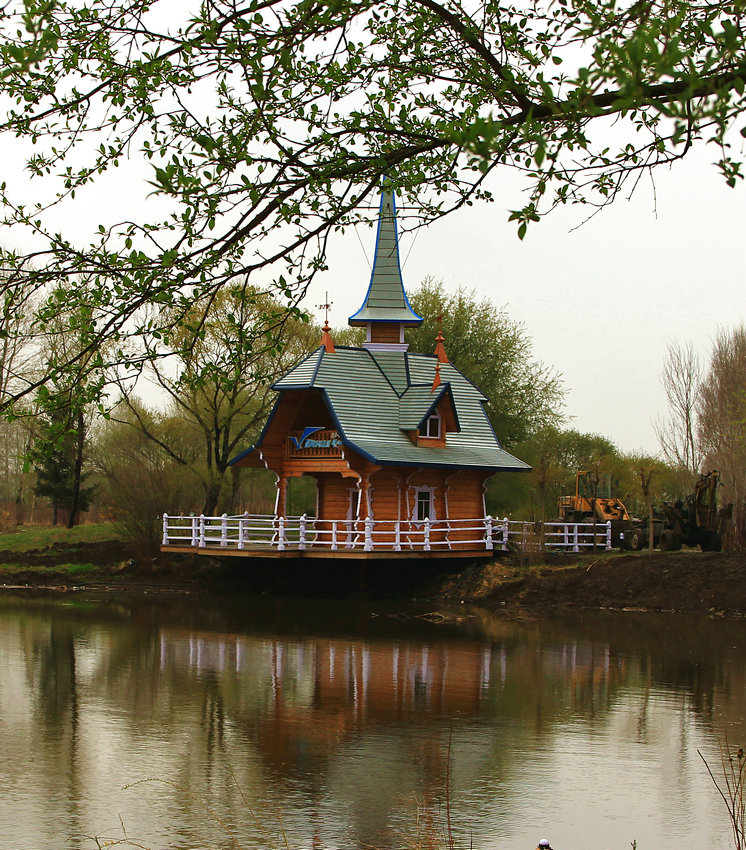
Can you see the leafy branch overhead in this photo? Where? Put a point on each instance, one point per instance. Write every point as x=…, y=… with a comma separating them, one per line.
x=255, y=129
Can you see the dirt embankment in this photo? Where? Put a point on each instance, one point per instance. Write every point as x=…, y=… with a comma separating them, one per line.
x=663, y=581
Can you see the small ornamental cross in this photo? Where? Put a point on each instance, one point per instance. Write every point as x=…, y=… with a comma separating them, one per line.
x=326, y=307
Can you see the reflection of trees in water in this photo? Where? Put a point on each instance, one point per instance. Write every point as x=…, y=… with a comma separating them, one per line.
x=367, y=720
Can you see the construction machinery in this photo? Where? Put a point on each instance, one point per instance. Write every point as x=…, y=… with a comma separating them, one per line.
x=693, y=521
x=593, y=502
x=697, y=520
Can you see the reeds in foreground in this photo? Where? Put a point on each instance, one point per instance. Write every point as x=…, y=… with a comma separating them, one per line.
x=730, y=788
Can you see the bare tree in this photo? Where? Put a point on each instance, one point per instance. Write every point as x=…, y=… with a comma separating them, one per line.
x=721, y=415
x=681, y=378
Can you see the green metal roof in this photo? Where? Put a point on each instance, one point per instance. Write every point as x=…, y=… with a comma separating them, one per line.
x=386, y=300
x=416, y=404
x=375, y=399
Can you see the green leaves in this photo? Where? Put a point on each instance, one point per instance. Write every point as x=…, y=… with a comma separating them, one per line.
x=248, y=135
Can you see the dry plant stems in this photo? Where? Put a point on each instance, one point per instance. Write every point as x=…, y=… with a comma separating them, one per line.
x=448, y=791
x=730, y=788
x=433, y=829
x=268, y=838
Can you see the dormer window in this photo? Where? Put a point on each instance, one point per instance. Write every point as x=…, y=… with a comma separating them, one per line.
x=432, y=425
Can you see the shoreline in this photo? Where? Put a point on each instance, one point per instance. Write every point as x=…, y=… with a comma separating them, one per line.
x=685, y=581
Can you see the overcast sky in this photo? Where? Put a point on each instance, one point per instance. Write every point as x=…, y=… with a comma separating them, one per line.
x=600, y=302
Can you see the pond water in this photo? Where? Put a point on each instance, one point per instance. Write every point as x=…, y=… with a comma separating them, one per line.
x=180, y=722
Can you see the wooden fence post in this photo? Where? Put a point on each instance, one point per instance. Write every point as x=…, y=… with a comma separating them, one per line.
x=165, y=529
x=224, y=530
x=281, y=535
x=241, y=521
x=488, y=532
x=302, y=532
x=195, y=532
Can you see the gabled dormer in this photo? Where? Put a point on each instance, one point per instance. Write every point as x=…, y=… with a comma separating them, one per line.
x=386, y=311
x=427, y=417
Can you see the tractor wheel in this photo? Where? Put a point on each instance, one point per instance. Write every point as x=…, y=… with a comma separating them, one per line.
x=669, y=541
x=713, y=542
x=636, y=539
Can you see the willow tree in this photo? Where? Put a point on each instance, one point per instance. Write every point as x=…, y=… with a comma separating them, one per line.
x=260, y=126
x=215, y=368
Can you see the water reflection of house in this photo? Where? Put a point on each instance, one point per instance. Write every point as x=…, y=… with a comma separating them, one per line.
x=299, y=701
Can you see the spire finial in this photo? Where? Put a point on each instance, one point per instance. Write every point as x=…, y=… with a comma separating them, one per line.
x=436, y=379
x=326, y=339
x=440, y=349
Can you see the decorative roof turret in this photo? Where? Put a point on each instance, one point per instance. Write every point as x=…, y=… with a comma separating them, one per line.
x=386, y=300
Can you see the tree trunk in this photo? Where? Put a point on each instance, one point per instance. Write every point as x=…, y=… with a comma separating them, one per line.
x=651, y=527
x=74, y=517
x=235, y=488
x=211, y=498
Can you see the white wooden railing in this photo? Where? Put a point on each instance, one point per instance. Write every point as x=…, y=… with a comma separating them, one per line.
x=262, y=531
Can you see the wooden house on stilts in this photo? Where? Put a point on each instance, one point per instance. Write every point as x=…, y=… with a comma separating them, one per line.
x=399, y=444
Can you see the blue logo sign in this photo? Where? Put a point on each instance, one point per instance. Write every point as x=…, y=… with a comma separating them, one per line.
x=303, y=442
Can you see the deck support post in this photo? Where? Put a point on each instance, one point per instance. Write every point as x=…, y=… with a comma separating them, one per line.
x=368, y=534
x=397, y=538
x=302, y=532
x=334, y=536
x=165, y=529
x=488, y=532
x=224, y=530
x=427, y=534
x=201, y=531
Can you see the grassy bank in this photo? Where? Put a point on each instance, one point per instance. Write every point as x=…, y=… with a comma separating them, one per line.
x=35, y=537
x=54, y=554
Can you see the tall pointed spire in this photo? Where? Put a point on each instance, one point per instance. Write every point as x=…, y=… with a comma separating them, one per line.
x=386, y=301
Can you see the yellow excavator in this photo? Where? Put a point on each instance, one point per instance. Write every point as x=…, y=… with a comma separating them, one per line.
x=593, y=502
x=592, y=499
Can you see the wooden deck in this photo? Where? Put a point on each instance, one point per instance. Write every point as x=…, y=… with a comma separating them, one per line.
x=325, y=553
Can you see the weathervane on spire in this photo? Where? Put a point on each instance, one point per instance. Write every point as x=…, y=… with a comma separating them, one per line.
x=326, y=339
x=326, y=307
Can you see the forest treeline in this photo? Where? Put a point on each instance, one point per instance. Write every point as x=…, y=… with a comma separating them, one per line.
x=156, y=432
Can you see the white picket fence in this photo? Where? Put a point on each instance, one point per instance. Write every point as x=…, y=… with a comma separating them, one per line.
x=262, y=531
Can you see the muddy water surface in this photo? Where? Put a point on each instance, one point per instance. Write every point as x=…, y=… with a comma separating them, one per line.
x=180, y=723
